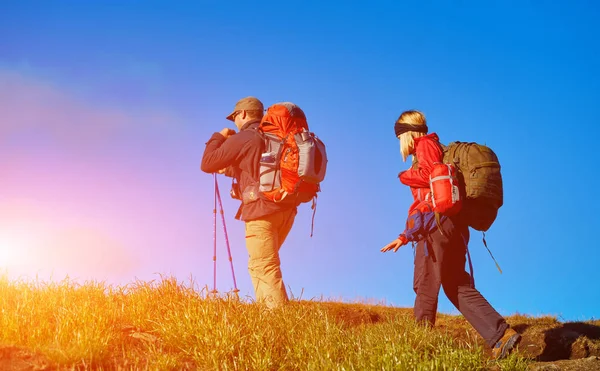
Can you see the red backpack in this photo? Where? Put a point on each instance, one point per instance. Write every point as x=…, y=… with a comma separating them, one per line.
x=294, y=160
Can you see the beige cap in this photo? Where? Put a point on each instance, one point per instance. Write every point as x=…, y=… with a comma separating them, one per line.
x=246, y=104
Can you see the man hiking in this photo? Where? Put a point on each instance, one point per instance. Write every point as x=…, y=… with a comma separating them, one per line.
x=441, y=248
x=267, y=223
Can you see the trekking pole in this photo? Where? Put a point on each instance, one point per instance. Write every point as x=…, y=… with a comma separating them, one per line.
x=214, y=290
x=218, y=196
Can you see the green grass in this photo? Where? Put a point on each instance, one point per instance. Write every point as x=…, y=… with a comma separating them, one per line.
x=169, y=325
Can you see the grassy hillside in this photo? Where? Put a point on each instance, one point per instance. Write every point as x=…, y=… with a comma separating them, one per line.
x=168, y=325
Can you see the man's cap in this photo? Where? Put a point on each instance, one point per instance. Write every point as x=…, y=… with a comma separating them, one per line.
x=246, y=104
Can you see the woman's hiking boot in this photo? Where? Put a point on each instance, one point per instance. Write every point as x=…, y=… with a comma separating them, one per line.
x=506, y=344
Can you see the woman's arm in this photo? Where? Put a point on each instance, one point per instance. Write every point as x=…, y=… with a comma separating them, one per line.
x=428, y=152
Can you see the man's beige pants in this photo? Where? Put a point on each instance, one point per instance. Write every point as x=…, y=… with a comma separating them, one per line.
x=264, y=238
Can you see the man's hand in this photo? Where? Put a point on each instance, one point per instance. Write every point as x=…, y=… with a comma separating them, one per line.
x=227, y=132
x=395, y=244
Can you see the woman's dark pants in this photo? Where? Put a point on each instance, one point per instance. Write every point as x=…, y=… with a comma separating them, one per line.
x=443, y=264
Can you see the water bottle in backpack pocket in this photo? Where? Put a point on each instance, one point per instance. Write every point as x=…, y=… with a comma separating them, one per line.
x=269, y=168
x=312, y=158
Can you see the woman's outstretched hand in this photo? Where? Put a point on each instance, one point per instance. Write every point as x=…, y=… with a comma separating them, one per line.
x=395, y=244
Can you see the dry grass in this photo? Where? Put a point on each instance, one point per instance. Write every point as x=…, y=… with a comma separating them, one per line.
x=169, y=325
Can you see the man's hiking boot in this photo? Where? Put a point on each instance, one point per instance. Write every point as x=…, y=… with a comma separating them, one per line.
x=506, y=344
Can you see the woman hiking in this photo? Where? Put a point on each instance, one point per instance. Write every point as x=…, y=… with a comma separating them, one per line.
x=441, y=247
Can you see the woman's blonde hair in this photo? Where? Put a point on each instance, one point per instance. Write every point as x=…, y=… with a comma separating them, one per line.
x=407, y=139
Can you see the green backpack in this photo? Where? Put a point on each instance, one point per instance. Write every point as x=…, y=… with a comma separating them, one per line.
x=479, y=174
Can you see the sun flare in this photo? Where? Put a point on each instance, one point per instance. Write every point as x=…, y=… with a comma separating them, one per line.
x=11, y=250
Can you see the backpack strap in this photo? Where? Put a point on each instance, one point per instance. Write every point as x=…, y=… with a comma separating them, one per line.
x=256, y=129
x=469, y=259
x=486, y=246
x=238, y=215
x=439, y=223
x=470, y=267
x=314, y=209
x=443, y=148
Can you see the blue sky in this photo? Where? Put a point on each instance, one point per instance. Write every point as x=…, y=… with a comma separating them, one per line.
x=105, y=107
